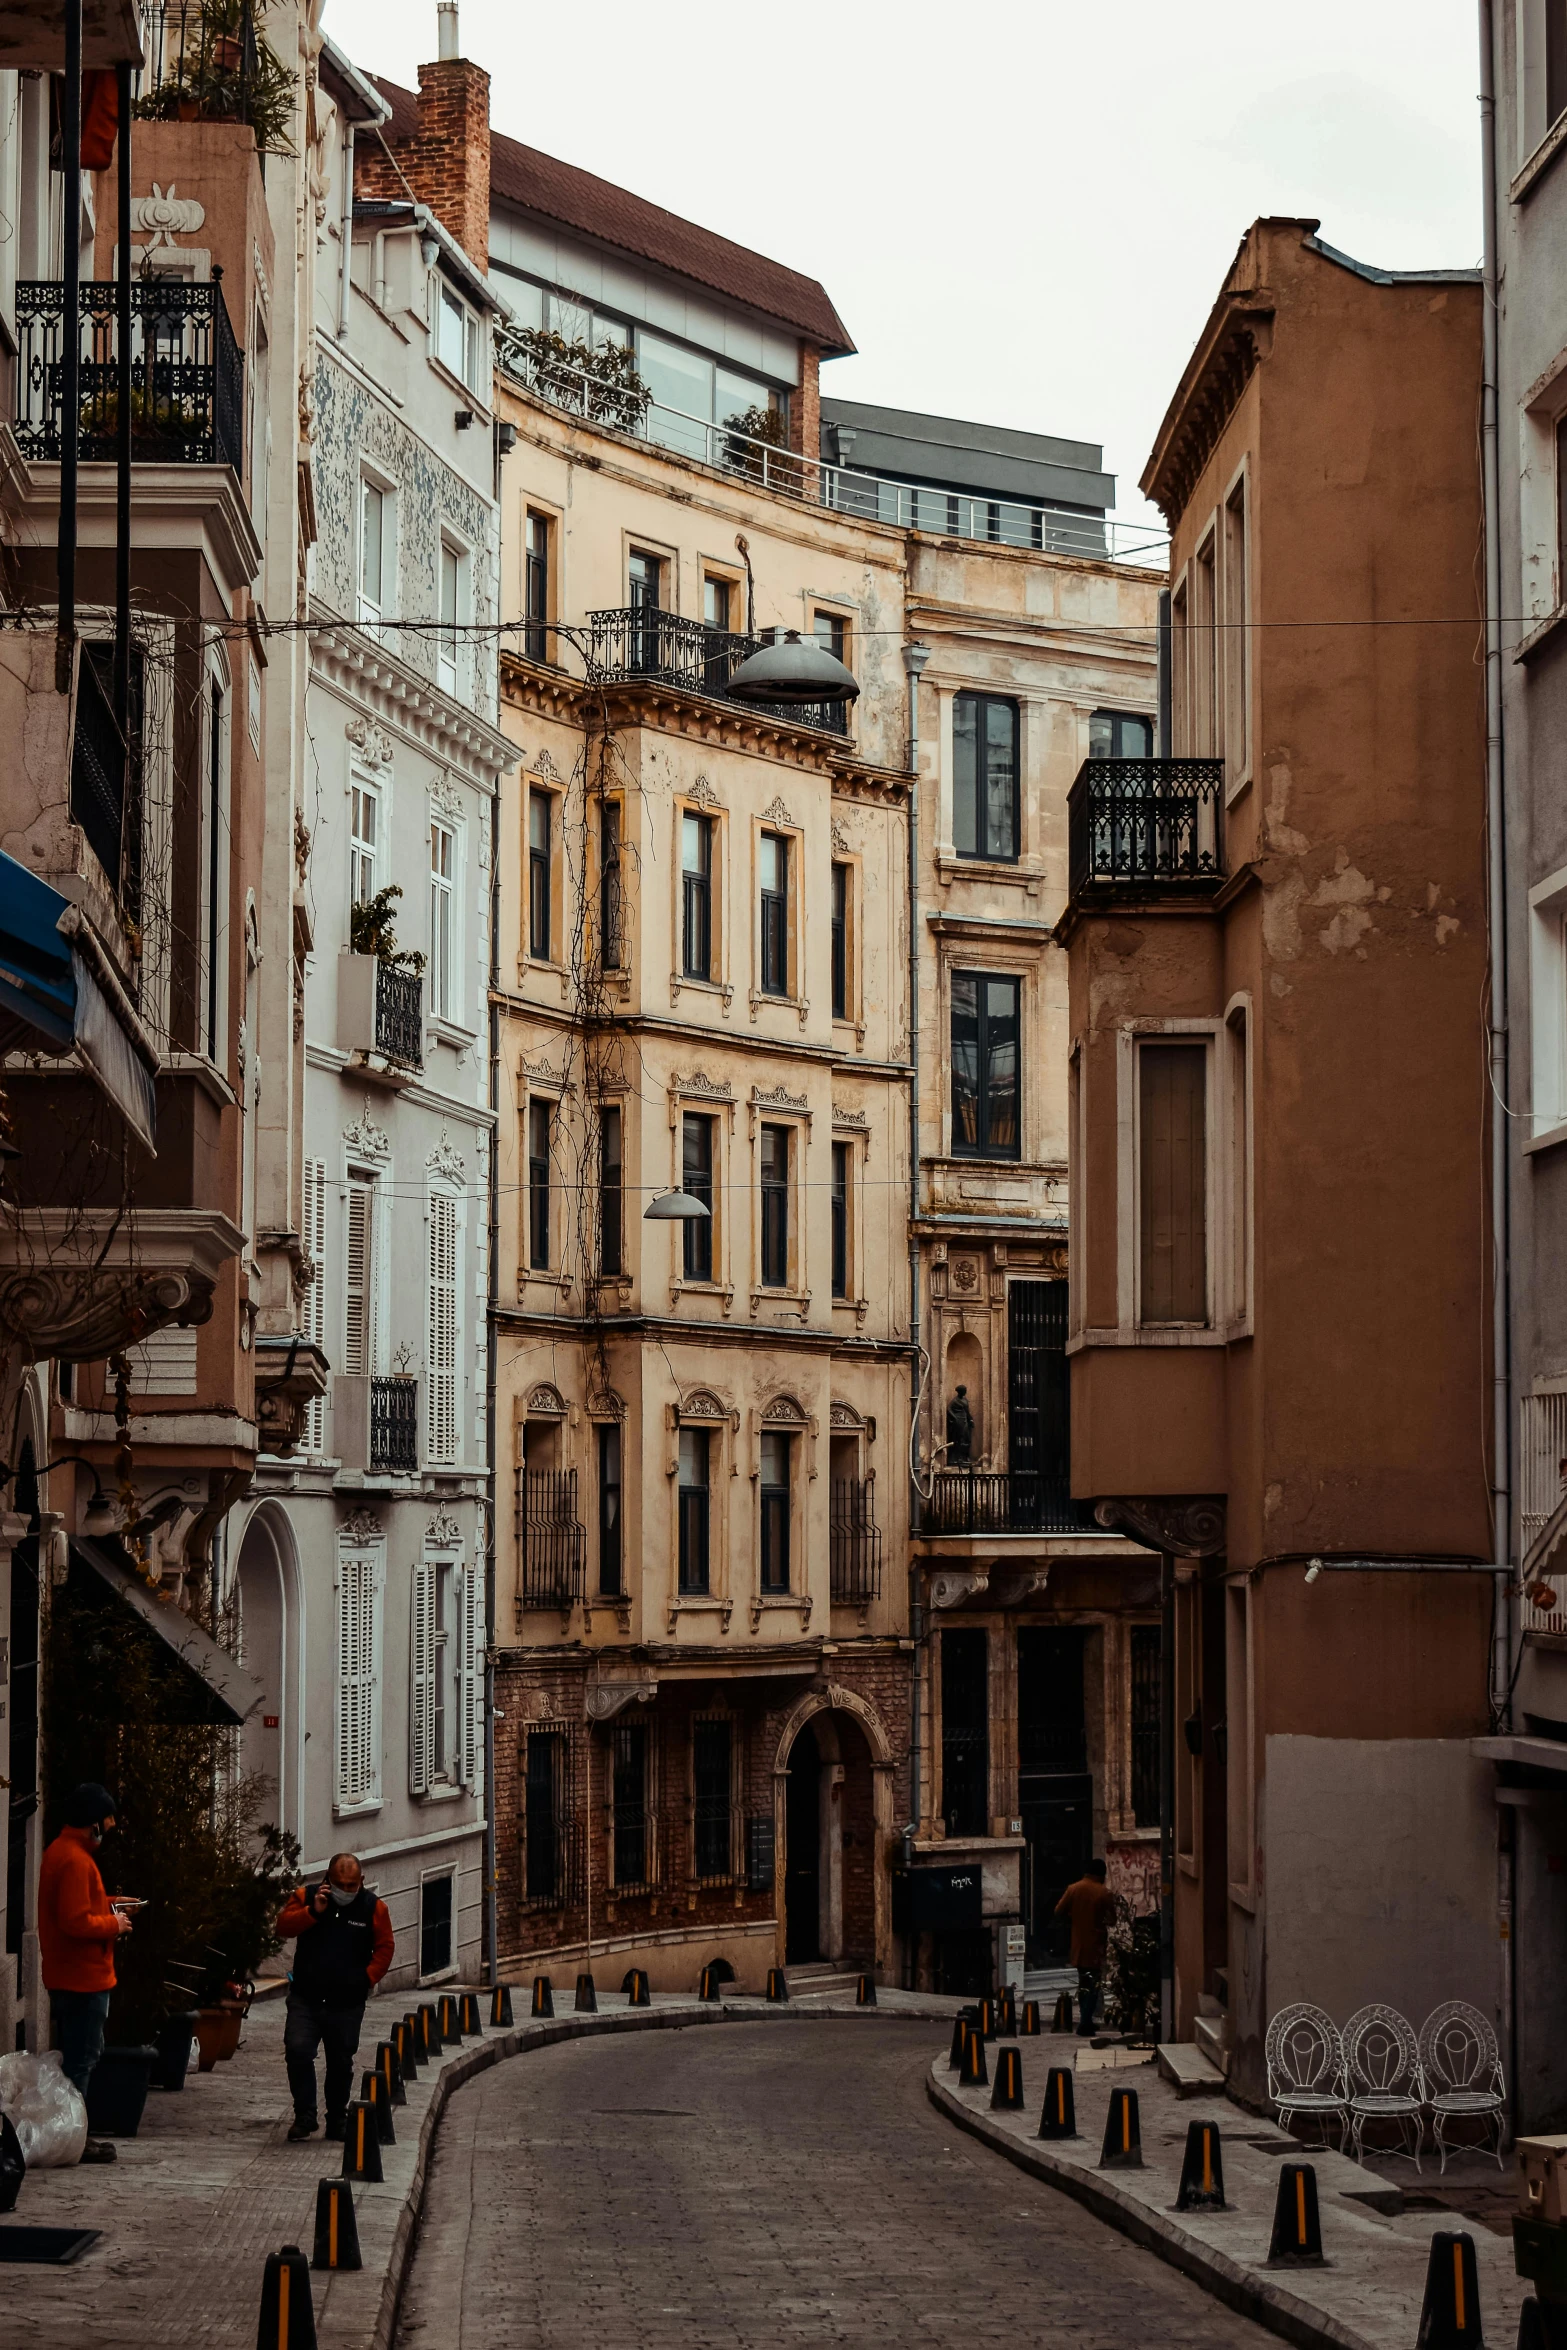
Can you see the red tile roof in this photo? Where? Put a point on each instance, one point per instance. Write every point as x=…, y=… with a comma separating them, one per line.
x=591, y=207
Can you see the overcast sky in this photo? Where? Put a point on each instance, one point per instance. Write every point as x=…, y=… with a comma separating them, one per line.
x=1022, y=208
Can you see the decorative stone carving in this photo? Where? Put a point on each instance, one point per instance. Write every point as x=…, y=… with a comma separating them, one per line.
x=360, y=1529
x=844, y=1415
x=79, y=1313
x=951, y=1586
x=163, y=216
x=447, y=1161
x=605, y=1404
x=778, y=1097
x=840, y=839
x=785, y=1408
x=855, y=1118
x=366, y=1139
x=603, y=1699
x=545, y=766
x=301, y=846
x=964, y=1274
x=443, y=1532
x=372, y=742
x=1183, y=1525
x=445, y=798
x=540, y=1066
x=715, y=1089
x=291, y=1373
x=776, y=813
x=702, y=1404
x=547, y=1400
x=704, y=795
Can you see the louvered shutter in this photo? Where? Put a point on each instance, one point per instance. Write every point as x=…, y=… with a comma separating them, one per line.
x=359, y=1282
x=470, y=1669
x=422, y=1665
x=347, y=1649
x=314, y=1237
x=442, y=1333
x=358, y=1669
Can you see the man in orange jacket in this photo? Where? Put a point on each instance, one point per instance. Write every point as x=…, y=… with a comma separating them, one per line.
x=77, y=1931
x=344, y=1947
x=1088, y=1906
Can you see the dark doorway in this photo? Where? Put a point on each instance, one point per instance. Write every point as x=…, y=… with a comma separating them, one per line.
x=1055, y=1791
x=803, y=1853
x=964, y=1962
x=1039, y=1444
x=22, y=1632
x=965, y=1732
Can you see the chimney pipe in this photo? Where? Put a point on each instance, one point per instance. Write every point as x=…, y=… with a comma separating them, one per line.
x=447, y=44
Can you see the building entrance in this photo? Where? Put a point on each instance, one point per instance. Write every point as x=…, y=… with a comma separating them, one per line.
x=802, y=1853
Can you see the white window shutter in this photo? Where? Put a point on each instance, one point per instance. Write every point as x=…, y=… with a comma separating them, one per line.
x=470, y=1667
x=358, y=1670
x=314, y=1237
x=421, y=1713
x=442, y=1346
x=346, y=1591
x=371, y=1713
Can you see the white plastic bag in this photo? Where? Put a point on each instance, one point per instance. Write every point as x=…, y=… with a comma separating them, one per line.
x=47, y=2112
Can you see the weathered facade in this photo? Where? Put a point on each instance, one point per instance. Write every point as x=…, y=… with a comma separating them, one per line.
x=1280, y=1307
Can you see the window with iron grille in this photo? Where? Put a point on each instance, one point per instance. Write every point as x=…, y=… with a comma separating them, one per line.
x=609, y=885
x=965, y=1732
x=775, y=914
x=540, y=825
x=840, y=1219
x=1052, y=1733
x=840, y=942
x=696, y=1177
x=696, y=896
x=985, y=1054
x=692, y=1503
x=610, y=1195
x=536, y=588
x=985, y=777
x=775, y=1207
x=712, y=1767
x=1147, y=1658
x=547, y=1814
x=630, y=1806
x=610, y=1562
x=775, y=1494
x=539, y=1185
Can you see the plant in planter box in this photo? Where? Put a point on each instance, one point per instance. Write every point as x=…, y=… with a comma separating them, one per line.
x=218, y=67
x=370, y=931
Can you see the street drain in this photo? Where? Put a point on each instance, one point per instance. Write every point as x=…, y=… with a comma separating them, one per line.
x=45, y=2247
x=671, y=2113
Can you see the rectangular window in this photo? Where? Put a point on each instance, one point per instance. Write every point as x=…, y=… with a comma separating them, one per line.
x=1173, y=1181
x=216, y=868
x=1120, y=734
x=359, y=1277
x=435, y=1925
x=986, y=1037
x=1238, y=1303
x=629, y=1803
x=840, y=942
x=775, y=1207
x=313, y=1235
x=546, y=1816
x=775, y=1511
x=358, y=1724
x=1180, y=745
x=456, y=341
x=831, y=631
x=373, y=503
x=610, y=1565
x=1555, y=60
x=985, y=796
x=610, y=899
x=646, y=583
x=1207, y=714
x=446, y=642
x=1237, y=635
x=539, y=846
x=696, y=1177
x=610, y=1193
x=840, y=1218
x=715, y=602
x=443, y=848
x=539, y=1186
x=363, y=843
x=693, y=1491
x=712, y=1818
x=696, y=885
x=775, y=914
x=536, y=587
x=442, y=1333
x=1146, y=1682
x=965, y=1733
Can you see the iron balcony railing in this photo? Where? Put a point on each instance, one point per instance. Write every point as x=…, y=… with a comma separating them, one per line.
x=665, y=648
x=394, y=1423
x=1146, y=823
x=399, y=1015
x=551, y=1537
x=1002, y=1501
x=187, y=373
x=854, y=1542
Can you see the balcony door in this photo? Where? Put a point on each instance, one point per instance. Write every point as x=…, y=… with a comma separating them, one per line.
x=1039, y=1450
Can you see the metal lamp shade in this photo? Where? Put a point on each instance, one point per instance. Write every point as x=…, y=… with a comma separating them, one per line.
x=796, y=669
x=674, y=1207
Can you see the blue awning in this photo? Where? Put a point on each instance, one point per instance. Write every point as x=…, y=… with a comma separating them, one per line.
x=52, y=1001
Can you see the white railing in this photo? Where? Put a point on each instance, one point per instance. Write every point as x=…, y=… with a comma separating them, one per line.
x=1542, y=1459
x=953, y=514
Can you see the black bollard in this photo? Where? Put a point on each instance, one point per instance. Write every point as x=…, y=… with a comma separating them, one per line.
x=1063, y=2014
x=1202, y=2170
x=429, y=2027
x=974, y=2074
x=373, y=2092
x=709, y=1987
x=472, y=2026
x=337, y=2231
x=959, y=2036
x=405, y=2039
x=543, y=1995
x=391, y=2072
x=451, y=2020
x=587, y=1999
x=987, y=2019
x=500, y=2006
x=865, y=1991
x=1450, y=2313
x=288, y=2316
x=361, y=2144
x=1006, y=2017
x=1059, y=2119
x=1297, y=2230
x=1007, y=2095
x=636, y=1989
x=1028, y=2021
x=777, y=1987
x=1123, y=2146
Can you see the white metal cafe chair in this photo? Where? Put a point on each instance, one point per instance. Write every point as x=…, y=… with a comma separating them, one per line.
x=1305, y=2060
x=1382, y=2066
x=1463, y=2074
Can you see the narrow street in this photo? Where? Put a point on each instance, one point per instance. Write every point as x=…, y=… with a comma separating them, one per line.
x=783, y=2183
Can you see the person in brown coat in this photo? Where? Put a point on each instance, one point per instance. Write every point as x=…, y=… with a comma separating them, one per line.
x=1089, y=1905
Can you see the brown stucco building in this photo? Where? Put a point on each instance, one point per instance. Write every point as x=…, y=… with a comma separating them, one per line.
x=1280, y=1245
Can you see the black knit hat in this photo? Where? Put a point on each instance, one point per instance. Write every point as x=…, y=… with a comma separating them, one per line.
x=88, y=1804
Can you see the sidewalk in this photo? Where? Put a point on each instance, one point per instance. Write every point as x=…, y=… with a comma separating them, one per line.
x=1369, y=2294
x=193, y=2205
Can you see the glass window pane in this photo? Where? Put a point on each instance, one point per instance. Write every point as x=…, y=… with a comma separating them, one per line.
x=693, y=844
x=774, y=863
x=693, y=1457
x=965, y=766
x=371, y=543
x=965, y=1061
x=1001, y=1063
x=775, y=1460
x=452, y=320
x=734, y=394
x=1000, y=779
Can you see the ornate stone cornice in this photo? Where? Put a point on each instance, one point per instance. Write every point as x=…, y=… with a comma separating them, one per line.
x=369, y=675
x=443, y=1532
x=1183, y=1525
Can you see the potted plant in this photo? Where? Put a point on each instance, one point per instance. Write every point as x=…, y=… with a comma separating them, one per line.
x=117, y=2092
x=370, y=932
x=225, y=70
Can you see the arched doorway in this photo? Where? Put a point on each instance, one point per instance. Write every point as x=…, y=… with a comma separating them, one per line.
x=267, y=1583
x=830, y=1844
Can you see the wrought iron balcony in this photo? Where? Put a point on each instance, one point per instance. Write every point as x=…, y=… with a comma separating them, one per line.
x=854, y=1542
x=399, y=1015
x=394, y=1423
x=1146, y=824
x=187, y=373
x=664, y=648
x=550, y=1537
x=1002, y=1501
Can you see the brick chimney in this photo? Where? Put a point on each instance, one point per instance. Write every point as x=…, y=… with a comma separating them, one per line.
x=447, y=160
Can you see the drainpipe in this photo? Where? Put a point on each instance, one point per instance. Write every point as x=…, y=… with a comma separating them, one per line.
x=1496, y=811
x=915, y=657
x=491, y=1906
x=346, y=248
x=70, y=355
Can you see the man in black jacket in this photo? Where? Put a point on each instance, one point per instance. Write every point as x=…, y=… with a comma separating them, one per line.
x=344, y=1947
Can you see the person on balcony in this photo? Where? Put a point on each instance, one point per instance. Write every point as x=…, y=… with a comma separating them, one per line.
x=344, y=1946
x=1089, y=1905
x=77, y=1930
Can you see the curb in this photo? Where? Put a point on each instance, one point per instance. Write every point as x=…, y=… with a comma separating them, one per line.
x=524, y=2038
x=1233, y=2282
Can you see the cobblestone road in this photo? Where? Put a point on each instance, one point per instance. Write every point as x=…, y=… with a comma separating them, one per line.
x=762, y=2184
